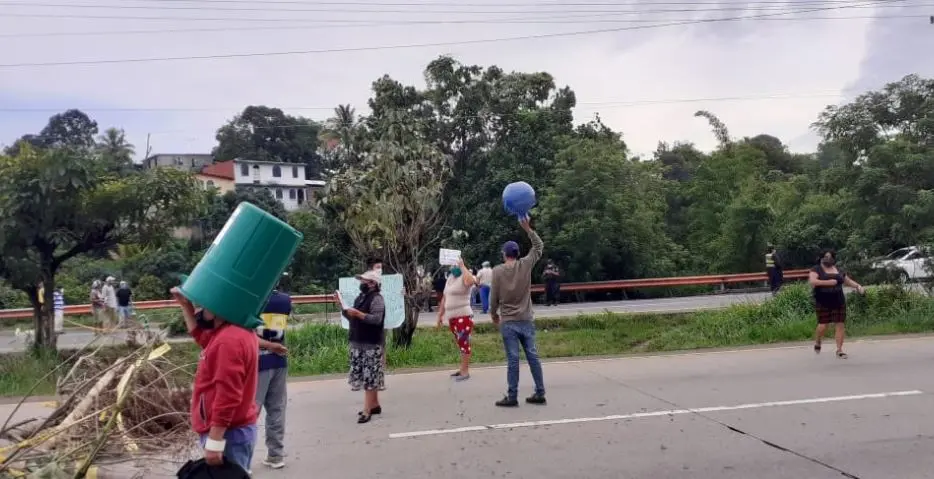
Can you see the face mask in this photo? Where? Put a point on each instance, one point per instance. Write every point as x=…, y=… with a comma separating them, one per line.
x=364, y=288
x=202, y=322
x=828, y=261
x=456, y=272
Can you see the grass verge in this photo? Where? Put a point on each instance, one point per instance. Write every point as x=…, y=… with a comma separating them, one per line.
x=322, y=349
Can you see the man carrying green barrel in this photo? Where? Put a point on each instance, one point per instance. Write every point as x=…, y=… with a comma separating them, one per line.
x=223, y=402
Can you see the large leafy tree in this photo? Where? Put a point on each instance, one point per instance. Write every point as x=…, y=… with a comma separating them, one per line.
x=390, y=205
x=262, y=133
x=59, y=202
x=603, y=216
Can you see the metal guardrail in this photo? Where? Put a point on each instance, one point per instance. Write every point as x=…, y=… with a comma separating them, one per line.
x=720, y=279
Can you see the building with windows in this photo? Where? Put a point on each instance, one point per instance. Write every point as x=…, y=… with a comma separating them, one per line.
x=285, y=181
x=192, y=162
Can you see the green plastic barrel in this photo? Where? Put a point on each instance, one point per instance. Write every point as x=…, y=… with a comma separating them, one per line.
x=238, y=272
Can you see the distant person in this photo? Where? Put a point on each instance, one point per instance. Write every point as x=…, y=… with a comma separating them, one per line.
x=223, y=400
x=551, y=276
x=110, y=301
x=773, y=266
x=367, y=336
x=124, y=303
x=511, y=311
x=58, y=297
x=454, y=308
x=424, y=289
x=485, y=280
x=830, y=301
x=273, y=372
x=97, y=304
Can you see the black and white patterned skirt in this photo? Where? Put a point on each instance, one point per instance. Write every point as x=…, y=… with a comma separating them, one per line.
x=366, y=369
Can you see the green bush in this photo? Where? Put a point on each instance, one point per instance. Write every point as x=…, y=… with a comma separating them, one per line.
x=149, y=288
x=12, y=298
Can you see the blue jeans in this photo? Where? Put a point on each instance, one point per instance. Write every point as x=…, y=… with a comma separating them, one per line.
x=485, y=298
x=240, y=444
x=516, y=333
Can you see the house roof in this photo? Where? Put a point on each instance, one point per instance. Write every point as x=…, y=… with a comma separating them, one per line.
x=224, y=169
x=257, y=162
x=210, y=175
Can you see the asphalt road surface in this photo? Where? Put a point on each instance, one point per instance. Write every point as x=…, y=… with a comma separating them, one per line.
x=769, y=413
x=76, y=338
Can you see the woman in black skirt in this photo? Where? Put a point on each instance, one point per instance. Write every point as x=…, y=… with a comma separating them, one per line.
x=829, y=299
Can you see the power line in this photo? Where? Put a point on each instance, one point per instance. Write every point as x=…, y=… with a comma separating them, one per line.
x=611, y=104
x=559, y=21
x=420, y=11
x=434, y=44
x=495, y=4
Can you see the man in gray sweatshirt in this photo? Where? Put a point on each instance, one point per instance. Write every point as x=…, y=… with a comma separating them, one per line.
x=511, y=310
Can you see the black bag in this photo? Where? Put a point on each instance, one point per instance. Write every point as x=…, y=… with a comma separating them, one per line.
x=201, y=470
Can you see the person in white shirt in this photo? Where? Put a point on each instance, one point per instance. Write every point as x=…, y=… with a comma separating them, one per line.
x=485, y=280
x=110, y=302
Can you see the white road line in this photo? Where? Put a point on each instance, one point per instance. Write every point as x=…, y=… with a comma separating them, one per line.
x=671, y=412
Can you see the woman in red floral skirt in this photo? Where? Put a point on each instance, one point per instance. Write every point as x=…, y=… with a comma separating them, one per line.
x=455, y=308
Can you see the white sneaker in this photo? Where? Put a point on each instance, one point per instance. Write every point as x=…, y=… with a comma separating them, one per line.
x=274, y=462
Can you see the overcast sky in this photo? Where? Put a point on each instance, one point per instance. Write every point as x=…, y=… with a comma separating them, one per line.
x=645, y=82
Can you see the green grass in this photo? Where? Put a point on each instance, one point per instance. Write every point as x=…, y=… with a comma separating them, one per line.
x=322, y=349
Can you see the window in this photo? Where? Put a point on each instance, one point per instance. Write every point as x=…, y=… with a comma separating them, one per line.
x=210, y=184
x=291, y=193
x=278, y=194
x=244, y=169
x=276, y=171
x=294, y=172
x=301, y=196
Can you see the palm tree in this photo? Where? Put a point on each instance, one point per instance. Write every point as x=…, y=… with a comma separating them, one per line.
x=115, y=149
x=343, y=134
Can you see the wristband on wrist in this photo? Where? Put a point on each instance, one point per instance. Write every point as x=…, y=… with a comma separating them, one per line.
x=215, y=446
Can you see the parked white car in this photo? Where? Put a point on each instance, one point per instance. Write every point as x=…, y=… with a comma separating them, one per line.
x=909, y=263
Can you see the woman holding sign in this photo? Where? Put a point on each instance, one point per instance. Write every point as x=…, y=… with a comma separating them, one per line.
x=367, y=337
x=454, y=308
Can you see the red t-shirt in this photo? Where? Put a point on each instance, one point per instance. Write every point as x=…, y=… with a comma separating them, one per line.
x=225, y=385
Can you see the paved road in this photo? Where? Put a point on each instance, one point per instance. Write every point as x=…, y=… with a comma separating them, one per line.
x=75, y=338
x=868, y=416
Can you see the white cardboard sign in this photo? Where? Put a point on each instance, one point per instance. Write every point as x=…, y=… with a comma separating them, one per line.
x=449, y=257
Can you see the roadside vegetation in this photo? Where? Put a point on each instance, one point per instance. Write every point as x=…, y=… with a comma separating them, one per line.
x=322, y=349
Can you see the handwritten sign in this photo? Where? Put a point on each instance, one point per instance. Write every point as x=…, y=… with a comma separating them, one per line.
x=449, y=257
x=391, y=288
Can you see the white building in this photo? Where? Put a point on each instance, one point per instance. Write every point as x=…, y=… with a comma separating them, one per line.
x=286, y=181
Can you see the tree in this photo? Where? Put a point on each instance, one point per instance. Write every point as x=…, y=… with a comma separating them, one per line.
x=262, y=133
x=324, y=256
x=719, y=128
x=390, y=206
x=603, y=216
x=903, y=109
x=344, y=136
x=116, y=150
x=58, y=203
x=70, y=129
x=220, y=207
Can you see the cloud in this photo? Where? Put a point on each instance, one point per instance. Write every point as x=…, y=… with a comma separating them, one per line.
x=754, y=59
